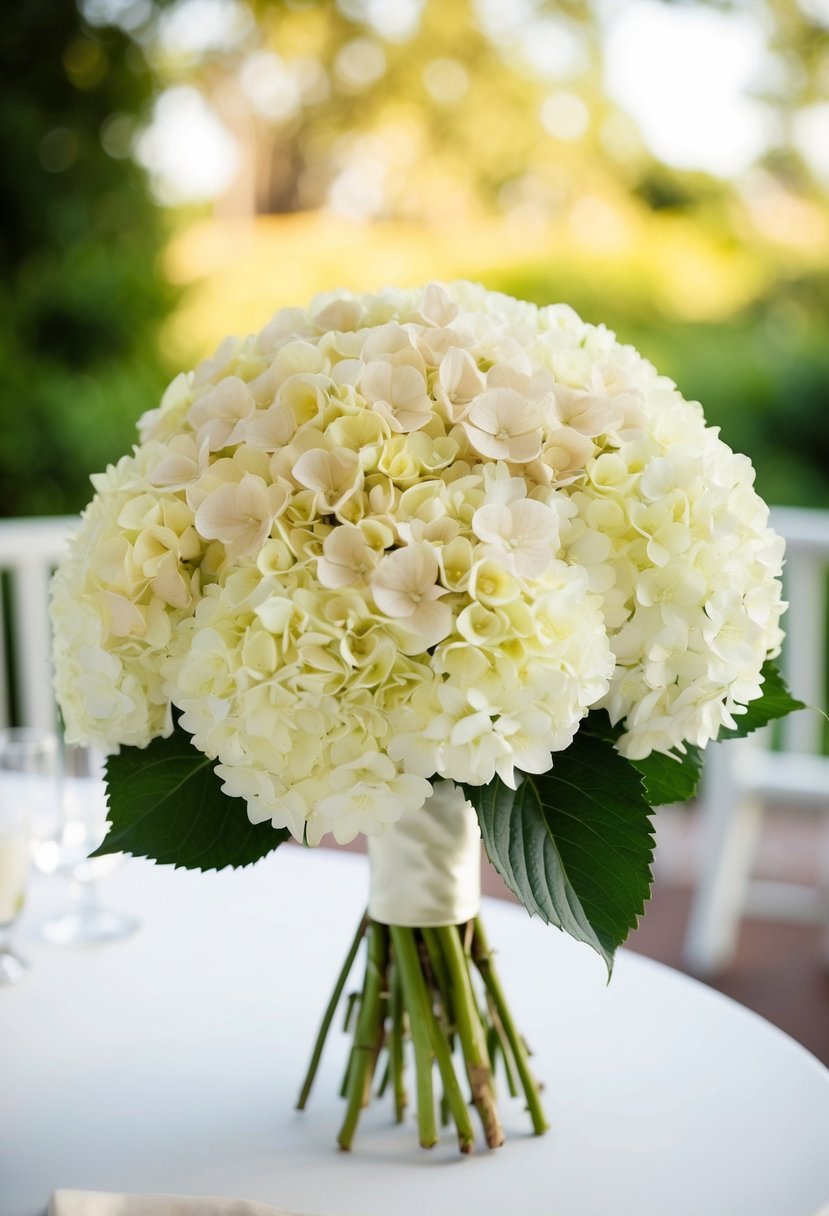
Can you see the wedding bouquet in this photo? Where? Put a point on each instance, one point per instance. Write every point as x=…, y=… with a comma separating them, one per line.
x=426, y=565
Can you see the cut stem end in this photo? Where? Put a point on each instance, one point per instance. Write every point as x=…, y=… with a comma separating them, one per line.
x=419, y=990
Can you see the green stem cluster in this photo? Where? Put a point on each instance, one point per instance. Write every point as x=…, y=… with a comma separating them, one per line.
x=418, y=986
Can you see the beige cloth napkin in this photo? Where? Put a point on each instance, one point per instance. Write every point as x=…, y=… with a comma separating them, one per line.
x=99, y=1203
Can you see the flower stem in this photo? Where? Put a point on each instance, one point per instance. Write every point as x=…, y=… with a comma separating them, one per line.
x=368, y=1036
x=442, y=980
x=471, y=1034
x=329, y=1013
x=418, y=983
x=384, y=1080
x=417, y=1004
x=500, y=1046
x=452, y=1101
x=397, y=1060
x=482, y=958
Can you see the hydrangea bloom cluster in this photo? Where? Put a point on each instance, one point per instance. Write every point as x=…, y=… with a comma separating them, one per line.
x=408, y=535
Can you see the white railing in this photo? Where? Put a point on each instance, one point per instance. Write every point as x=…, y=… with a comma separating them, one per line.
x=29, y=551
x=743, y=777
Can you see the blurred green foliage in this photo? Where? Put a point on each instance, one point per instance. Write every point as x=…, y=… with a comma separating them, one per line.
x=449, y=117
x=82, y=296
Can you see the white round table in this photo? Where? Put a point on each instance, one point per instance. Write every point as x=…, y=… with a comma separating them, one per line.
x=171, y=1062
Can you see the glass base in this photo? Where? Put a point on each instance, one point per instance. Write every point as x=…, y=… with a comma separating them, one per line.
x=12, y=968
x=88, y=927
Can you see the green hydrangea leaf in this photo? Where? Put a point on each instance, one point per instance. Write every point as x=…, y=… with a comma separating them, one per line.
x=775, y=702
x=575, y=844
x=166, y=802
x=668, y=778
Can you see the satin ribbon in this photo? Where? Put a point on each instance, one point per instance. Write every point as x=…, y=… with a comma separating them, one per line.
x=426, y=867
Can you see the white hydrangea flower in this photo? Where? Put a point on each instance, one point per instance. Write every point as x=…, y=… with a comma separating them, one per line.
x=409, y=535
x=523, y=537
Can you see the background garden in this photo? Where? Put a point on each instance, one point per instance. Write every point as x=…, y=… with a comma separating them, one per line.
x=176, y=171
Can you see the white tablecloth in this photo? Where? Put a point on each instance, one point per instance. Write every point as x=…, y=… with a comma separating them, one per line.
x=171, y=1063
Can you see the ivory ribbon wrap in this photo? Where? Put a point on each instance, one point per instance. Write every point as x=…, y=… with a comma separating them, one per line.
x=426, y=868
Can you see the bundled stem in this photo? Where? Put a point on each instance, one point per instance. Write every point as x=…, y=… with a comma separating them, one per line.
x=368, y=1037
x=471, y=1034
x=483, y=960
x=417, y=1003
x=397, y=1062
x=418, y=985
x=329, y=1013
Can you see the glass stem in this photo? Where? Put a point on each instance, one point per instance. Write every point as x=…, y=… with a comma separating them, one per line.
x=84, y=894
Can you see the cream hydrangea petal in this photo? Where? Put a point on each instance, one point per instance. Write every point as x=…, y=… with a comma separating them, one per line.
x=240, y=514
x=272, y=428
x=404, y=578
x=525, y=535
x=459, y=381
x=398, y=393
x=347, y=557
x=520, y=449
x=503, y=425
x=418, y=753
x=165, y=421
x=216, y=415
x=336, y=476
x=589, y=414
x=432, y=621
x=179, y=463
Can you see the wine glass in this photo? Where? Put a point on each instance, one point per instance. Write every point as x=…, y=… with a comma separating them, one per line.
x=78, y=831
x=28, y=788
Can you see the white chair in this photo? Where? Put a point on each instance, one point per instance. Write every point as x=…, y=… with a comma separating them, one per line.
x=29, y=551
x=743, y=777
